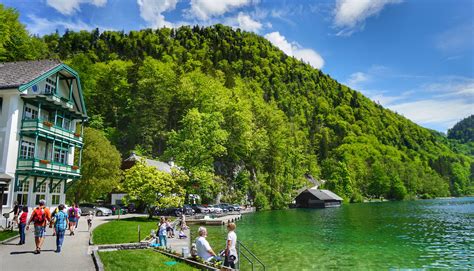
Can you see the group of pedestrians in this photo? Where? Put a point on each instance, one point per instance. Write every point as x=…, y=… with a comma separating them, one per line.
x=60, y=220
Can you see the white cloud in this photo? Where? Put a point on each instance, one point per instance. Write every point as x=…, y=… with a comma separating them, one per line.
x=42, y=26
x=245, y=22
x=293, y=49
x=68, y=7
x=151, y=11
x=442, y=113
x=456, y=39
x=205, y=9
x=350, y=15
x=356, y=78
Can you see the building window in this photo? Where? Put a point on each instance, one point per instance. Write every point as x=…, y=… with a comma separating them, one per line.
x=39, y=197
x=60, y=156
x=50, y=86
x=22, y=199
x=67, y=124
x=27, y=150
x=5, y=195
x=57, y=189
x=42, y=188
x=55, y=199
x=25, y=187
x=30, y=113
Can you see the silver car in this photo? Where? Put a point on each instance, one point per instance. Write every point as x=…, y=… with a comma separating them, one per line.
x=97, y=210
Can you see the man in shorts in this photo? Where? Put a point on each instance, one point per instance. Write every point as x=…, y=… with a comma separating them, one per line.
x=40, y=216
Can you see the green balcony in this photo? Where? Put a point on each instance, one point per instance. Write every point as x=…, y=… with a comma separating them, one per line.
x=48, y=130
x=47, y=168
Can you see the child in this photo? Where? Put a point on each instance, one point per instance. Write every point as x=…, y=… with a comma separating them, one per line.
x=23, y=218
x=169, y=228
x=181, y=234
x=89, y=220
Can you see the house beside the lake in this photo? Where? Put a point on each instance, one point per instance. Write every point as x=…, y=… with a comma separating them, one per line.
x=316, y=198
x=116, y=197
x=42, y=113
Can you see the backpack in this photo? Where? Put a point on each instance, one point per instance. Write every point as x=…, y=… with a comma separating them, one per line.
x=73, y=212
x=40, y=216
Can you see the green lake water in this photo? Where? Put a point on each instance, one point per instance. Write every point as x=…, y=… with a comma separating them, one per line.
x=431, y=234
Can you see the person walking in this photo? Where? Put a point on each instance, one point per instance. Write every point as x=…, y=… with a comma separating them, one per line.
x=79, y=214
x=51, y=225
x=162, y=226
x=60, y=226
x=40, y=216
x=16, y=212
x=89, y=220
x=22, y=225
x=230, y=250
x=72, y=214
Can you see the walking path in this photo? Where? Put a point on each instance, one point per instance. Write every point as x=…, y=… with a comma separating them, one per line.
x=74, y=254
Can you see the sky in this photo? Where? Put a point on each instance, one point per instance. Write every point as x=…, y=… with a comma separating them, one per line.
x=413, y=57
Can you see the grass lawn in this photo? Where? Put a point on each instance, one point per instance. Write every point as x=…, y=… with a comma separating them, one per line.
x=7, y=234
x=124, y=230
x=140, y=259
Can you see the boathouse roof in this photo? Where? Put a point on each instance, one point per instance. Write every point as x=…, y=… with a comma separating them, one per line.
x=161, y=166
x=324, y=194
x=15, y=74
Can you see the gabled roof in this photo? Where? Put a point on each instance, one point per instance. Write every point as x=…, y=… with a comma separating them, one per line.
x=161, y=166
x=15, y=74
x=322, y=194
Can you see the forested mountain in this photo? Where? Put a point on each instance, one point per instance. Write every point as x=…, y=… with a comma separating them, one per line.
x=244, y=119
x=463, y=130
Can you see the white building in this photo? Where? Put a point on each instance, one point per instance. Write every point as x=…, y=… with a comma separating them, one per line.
x=41, y=121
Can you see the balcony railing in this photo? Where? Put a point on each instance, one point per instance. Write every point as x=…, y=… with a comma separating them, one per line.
x=47, y=166
x=49, y=128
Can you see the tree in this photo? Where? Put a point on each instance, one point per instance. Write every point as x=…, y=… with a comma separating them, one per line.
x=15, y=42
x=154, y=188
x=195, y=148
x=100, y=168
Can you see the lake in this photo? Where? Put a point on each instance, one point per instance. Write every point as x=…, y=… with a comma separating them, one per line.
x=367, y=236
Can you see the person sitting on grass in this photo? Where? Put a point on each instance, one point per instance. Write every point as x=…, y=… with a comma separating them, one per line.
x=181, y=234
x=203, y=248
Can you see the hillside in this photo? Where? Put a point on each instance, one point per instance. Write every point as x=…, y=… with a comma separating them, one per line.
x=245, y=120
x=463, y=130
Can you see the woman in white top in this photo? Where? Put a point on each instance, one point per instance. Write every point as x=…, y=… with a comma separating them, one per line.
x=162, y=231
x=230, y=250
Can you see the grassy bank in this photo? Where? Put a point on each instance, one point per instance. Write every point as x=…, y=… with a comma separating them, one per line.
x=143, y=259
x=124, y=230
x=7, y=234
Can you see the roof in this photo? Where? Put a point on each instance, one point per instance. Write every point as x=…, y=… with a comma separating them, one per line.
x=322, y=194
x=161, y=166
x=15, y=74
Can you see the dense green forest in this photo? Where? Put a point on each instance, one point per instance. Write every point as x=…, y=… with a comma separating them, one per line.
x=463, y=130
x=243, y=119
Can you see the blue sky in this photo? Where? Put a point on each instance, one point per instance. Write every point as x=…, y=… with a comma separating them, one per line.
x=414, y=57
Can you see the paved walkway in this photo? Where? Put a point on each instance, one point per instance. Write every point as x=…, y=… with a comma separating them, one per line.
x=74, y=254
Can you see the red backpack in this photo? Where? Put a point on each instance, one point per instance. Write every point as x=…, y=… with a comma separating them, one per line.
x=40, y=216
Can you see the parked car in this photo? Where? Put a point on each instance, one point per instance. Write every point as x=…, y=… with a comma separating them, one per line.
x=188, y=210
x=236, y=207
x=95, y=209
x=116, y=208
x=172, y=211
x=216, y=209
x=200, y=209
x=226, y=207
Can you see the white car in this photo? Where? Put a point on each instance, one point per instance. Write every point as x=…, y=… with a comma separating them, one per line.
x=215, y=209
